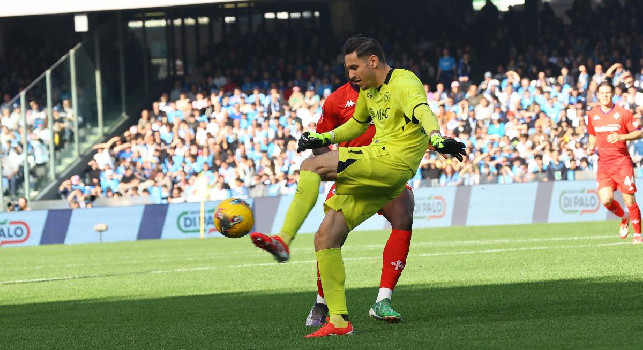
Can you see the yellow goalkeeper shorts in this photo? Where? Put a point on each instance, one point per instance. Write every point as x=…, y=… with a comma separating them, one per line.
x=368, y=177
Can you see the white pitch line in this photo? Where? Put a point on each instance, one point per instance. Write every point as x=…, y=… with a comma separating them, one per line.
x=350, y=247
x=502, y=250
x=208, y=268
x=51, y=279
x=500, y=241
x=486, y=251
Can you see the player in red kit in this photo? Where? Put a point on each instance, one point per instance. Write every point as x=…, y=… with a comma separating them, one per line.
x=337, y=110
x=610, y=127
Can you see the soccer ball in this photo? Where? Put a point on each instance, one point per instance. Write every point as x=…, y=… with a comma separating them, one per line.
x=233, y=218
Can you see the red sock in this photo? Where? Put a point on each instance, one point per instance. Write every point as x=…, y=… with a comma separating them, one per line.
x=635, y=217
x=615, y=208
x=320, y=289
x=394, y=257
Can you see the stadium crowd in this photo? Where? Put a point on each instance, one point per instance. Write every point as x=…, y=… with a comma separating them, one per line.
x=18, y=68
x=235, y=118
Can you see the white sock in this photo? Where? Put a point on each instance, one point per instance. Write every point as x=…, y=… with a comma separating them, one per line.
x=384, y=293
x=321, y=300
x=637, y=234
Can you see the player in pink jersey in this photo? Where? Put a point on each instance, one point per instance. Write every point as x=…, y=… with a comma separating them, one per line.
x=610, y=127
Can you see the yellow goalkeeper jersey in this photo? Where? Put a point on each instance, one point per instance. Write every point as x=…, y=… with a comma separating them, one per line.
x=391, y=108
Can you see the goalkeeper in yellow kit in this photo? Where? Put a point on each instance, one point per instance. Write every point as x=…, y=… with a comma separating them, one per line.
x=367, y=177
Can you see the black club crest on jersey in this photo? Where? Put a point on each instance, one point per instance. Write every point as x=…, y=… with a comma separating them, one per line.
x=379, y=98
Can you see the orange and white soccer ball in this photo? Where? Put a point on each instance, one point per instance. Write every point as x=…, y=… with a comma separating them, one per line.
x=233, y=218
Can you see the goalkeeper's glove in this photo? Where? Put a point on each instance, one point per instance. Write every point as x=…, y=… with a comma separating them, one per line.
x=311, y=140
x=448, y=146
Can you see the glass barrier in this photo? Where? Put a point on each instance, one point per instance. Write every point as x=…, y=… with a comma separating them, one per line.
x=88, y=94
x=106, y=43
x=41, y=172
x=136, y=66
x=88, y=110
x=157, y=42
x=63, y=115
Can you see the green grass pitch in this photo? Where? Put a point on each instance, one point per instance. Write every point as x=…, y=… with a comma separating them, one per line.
x=542, y=286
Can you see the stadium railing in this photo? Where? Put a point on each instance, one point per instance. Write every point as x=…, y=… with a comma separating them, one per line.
x=85, y=96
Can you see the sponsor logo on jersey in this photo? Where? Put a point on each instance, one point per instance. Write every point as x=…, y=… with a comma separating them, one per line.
x=379, y=114
x=597, y=117
x=607, y=128
x=580, y=202
x=616, y=115
x=349, y=104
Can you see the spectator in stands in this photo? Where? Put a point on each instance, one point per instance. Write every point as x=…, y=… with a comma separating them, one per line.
x=176, y=196
x=599, y=75
x=239, y=190
x=505, y=174
x=128, y=181
x=556, y=170
x=20, y=205
x=40, y=152
x=77, y=199
x=456, y=93
x=565, y=78
x=464, y=68
x=219, y=192
x=450, y=177
x=11, y=117
x=12, y=169
x=524, y=121
x=446, y=67
x=583, y=78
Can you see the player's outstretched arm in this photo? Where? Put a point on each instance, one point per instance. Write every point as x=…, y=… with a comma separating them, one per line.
x=320, y=151
x=432, y=128
x=345, y=132
x=610, y=71
x=448, y=146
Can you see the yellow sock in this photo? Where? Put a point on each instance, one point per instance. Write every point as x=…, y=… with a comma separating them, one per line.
x=333, y=276
x=303, y=202
x=287, y=238
x=338, y=321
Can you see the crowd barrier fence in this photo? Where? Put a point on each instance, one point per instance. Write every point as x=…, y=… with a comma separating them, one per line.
x=543, y=202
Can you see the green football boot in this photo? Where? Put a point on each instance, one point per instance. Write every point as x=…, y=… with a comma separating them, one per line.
x=383, y=310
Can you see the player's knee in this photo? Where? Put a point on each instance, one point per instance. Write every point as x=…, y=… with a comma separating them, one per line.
x=307, y=165
x=312, y=164
x=606, y=201
x=319, y=241
x=322, y=240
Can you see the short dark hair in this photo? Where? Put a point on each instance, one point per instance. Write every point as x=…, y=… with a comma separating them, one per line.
x=605, y=83
x=363, y=46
